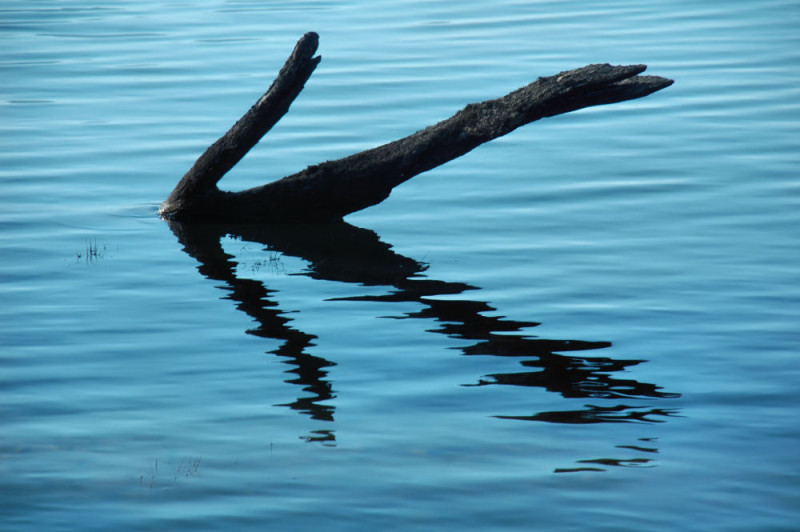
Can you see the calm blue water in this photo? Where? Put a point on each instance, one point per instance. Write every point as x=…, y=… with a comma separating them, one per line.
x=590, y=324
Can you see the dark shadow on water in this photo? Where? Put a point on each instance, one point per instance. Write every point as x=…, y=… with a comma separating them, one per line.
x=344, y=253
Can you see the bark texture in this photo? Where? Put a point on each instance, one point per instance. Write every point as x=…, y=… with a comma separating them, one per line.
x=328, y=191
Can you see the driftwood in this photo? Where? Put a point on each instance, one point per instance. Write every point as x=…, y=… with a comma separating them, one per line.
x=326, y=192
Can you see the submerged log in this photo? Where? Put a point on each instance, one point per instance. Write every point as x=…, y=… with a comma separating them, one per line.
x=328, y=191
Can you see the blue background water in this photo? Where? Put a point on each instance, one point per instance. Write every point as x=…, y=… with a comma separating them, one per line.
x=591, y=323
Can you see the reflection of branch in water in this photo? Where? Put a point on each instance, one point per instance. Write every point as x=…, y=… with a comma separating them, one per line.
x=615, y=462
x=203, y=242
x=343, y=253
x=571, y=376
x=578, y=377
x=595, y=464
x=601, y=414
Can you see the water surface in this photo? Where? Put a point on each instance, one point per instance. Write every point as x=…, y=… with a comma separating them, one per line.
x=588, y=324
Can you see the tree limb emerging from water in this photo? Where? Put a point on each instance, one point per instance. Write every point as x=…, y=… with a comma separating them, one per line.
x=328, y=191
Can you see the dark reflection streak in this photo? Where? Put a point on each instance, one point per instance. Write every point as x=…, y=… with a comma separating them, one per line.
x=599, y=414
x=568, y=375
x=624, y=462
x=613, y=462
x=203, y=243
x=344, y=253
x=579, y=470
x=638, y=448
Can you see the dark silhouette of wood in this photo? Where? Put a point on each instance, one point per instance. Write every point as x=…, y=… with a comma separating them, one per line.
x=328, y=191
x=345, y=254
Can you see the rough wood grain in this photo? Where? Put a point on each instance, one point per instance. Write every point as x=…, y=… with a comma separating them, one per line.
x=330, y=190
x=199, y=185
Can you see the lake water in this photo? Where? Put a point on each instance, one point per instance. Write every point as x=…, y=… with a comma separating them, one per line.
x=590, y=324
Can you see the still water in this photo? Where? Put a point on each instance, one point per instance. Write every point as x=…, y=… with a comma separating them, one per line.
x=590, y=324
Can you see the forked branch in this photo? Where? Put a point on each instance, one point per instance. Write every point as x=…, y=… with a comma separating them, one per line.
x=328, y=191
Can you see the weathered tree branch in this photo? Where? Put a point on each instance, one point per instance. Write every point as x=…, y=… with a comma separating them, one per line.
x=329, y=191
x=199, y=185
